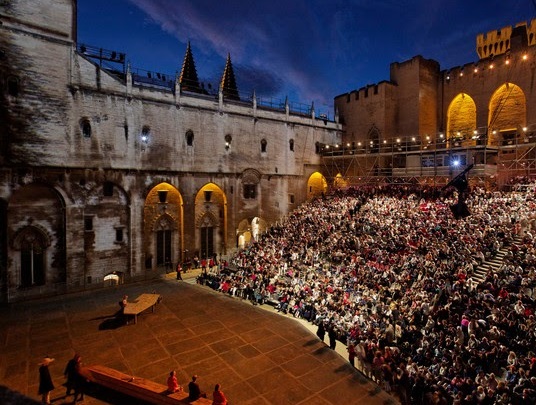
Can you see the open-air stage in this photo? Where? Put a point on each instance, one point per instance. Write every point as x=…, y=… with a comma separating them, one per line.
x=258, y=356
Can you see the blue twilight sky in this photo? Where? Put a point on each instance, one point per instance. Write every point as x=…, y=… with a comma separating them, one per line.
x=308, y=50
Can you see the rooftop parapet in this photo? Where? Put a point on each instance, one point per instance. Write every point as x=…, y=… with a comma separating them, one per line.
x=498, y=42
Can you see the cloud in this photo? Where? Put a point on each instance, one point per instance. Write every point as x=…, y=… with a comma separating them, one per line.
x=316, y=49
x=270, y=48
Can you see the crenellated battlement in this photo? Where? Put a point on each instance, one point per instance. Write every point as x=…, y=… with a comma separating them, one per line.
x=366, y=92
x=501, y=41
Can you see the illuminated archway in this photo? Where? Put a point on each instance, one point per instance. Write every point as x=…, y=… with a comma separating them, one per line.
x=316, y=185
x=340, y=182
x=507, y=113
x=211, y=221
x=249, y=231
x=113, y=279
x=258, y=227
x=163, y=227
x=461, y=120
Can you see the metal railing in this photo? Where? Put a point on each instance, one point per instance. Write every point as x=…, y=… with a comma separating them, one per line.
x=115, y=63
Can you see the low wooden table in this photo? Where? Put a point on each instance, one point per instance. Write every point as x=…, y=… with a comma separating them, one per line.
x=140, y=388
x=140, y=304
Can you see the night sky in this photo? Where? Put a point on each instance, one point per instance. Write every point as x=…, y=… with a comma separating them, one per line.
x=308, y=50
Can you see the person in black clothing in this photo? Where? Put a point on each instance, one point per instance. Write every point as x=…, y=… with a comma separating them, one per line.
x=321, y=331
x=45, y=380
x=332, y=334
x=71, y=373
x=194, y=392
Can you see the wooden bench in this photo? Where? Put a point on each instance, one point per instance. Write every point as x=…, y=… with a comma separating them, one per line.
x=140, y=388
x=140, y=304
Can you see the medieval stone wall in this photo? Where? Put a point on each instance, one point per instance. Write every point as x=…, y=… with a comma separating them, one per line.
x=101, y=147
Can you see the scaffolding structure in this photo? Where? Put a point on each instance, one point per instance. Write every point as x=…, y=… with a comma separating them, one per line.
x=499, y=159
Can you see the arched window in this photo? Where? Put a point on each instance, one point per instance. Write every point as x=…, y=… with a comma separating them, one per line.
x=189, y=138
x=291, y=145
x=32, y=244
x=263, y=145
x=145, y=134
x=250, y=179
x=228, y=140
x=112, y=279
x=85, y=126
x=13, y=86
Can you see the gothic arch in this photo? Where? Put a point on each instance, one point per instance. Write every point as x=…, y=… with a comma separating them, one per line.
x=207, y=219
x=35, y=230
x=165, y=222
x=32, y=231
x=163, y=228
x=251, y=176
x=316, y=185
x=373, y=138
x=461, y=119
x=211, y=221
x=249, y=229
x=507, y=113
x=340, y=182
x=31, y=242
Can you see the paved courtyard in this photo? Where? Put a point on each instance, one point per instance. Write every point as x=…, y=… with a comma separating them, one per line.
x=258, y=356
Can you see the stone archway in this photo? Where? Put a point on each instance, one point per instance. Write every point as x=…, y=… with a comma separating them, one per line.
x=211, y=221
x=32, y=242
x=461, y=120
x=340, y=182
x=507, y=114
x=163, y=227
x=36, y=241
x=316, y=185
x=249, y=230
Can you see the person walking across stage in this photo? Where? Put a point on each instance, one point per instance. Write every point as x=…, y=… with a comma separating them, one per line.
x=45, y=380
x=332, y=334
x=321, y=331
x=70, y=373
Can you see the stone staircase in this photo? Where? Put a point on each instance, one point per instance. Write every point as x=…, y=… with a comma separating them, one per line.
x=494, y=263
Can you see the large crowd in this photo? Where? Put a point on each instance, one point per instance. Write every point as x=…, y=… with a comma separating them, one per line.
x=391, y=273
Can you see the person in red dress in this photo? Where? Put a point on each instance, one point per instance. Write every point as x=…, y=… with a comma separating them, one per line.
x=172, y=383
x=218, y=397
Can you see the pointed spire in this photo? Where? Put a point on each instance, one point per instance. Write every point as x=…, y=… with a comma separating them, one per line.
x=188, y=78
x=228, y=82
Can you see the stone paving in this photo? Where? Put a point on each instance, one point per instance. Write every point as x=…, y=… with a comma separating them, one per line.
x=258, y=356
